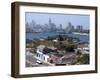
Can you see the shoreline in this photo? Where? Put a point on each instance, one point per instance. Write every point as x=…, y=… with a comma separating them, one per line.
x=80, y=33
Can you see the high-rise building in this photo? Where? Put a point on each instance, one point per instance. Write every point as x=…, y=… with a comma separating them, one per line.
x=50, y=22
x=52, y=25
x=79, y=28
x=70, y=28
x=60, y=26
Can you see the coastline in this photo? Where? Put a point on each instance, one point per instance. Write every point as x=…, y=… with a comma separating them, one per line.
x=81, y=33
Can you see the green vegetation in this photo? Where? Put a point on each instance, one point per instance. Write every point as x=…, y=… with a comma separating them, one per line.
x=82, y=58
x=62, y=38
x=79, y=53
x=69, y=47
x=51, y=37
x=64, y=42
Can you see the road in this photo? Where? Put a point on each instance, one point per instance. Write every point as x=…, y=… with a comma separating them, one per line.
x=31, y=61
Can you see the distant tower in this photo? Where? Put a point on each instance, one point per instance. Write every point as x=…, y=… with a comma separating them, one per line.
x=52, y=25
x=70, y=27
x=50, y=22
x=79, y=28
x=60, y=26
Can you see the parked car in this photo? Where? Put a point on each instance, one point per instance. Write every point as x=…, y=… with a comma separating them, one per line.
x=39, y=62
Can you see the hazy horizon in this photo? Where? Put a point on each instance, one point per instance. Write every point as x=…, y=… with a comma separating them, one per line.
x=64, y=19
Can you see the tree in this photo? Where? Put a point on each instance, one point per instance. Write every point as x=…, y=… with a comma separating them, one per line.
x=82, y=58
x=60, y=38
x=69, y=47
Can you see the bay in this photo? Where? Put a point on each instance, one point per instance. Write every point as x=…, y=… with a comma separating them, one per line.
x=44, y=35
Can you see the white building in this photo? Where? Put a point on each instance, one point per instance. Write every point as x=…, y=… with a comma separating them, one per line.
x=40, y=54
x=83, y=50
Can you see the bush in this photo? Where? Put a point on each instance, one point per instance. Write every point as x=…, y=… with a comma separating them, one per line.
x=51, y=37
x=83, y=59
x=79, y=53
x=69, y=47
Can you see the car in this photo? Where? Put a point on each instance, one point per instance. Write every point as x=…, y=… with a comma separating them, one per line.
x=39, y=62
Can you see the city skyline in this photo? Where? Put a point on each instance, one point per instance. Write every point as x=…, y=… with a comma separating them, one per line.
x=43, y=18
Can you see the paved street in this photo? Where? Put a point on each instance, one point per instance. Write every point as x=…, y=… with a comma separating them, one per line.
x=31, y=61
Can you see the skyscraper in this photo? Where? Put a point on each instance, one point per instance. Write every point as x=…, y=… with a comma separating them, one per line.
x=52, y=25
x=70, y=28
x=79, y=28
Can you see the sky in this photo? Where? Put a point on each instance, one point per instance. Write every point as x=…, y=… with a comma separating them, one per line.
x=43, y=18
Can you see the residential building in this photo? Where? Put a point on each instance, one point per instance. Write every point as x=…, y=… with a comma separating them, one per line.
x=40, y=53
x=48, y=54
x=83, y=48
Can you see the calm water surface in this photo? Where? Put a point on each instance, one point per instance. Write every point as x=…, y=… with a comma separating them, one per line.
x=44, y=35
